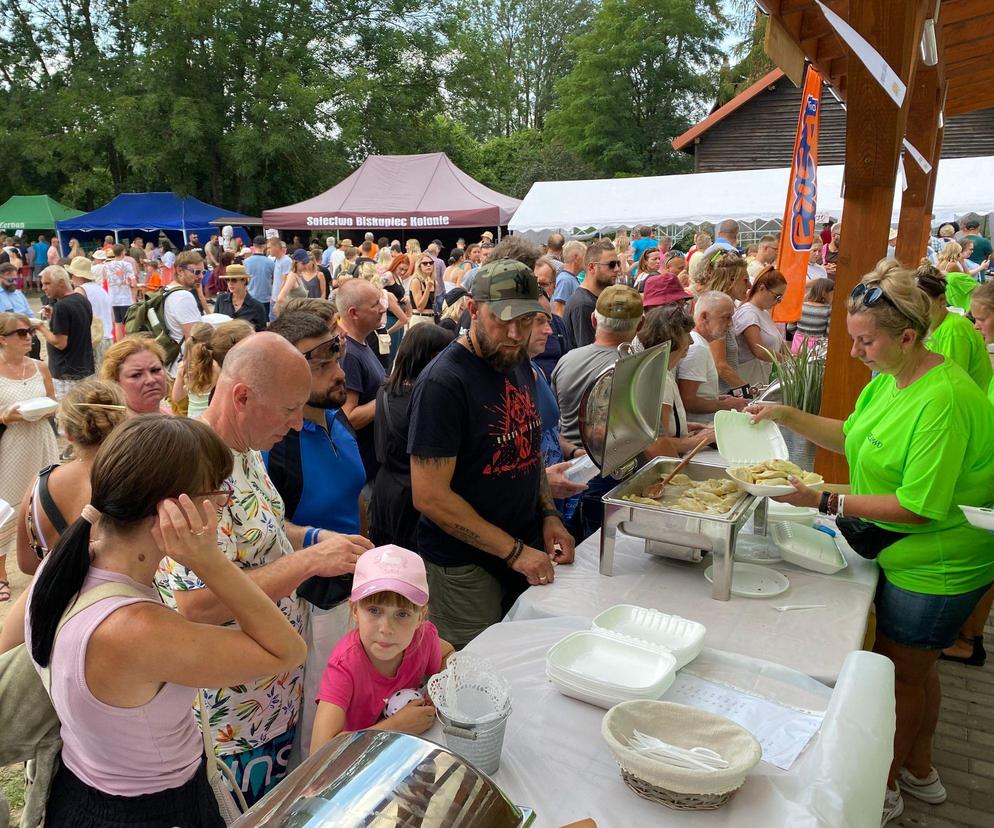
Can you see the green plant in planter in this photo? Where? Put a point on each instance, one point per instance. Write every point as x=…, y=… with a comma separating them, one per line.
x=801, y=376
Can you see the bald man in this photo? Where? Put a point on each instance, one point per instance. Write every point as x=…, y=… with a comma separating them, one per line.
x=264, y=385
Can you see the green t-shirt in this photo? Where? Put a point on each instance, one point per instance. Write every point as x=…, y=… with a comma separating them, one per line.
x=932, y=445
x=959, y=286
x=958, y=340
x=981, y=248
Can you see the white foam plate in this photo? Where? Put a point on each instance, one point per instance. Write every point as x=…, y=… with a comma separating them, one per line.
x=36, y=408
x=785, y=513
x=761, y=490
x=980, y=516
x=683, y=638
x=808, y=548
x=749, y=581
x=742, y=443
x=606, y=663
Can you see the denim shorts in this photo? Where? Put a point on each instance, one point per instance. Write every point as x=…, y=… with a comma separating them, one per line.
x=920, y=620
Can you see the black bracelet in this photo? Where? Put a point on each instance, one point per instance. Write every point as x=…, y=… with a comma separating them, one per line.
x=572, y=453
x=515, y=552
x=823, y=506
x=551, y=513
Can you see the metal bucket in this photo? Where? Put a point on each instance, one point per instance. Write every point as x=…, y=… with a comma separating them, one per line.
x=476, y=742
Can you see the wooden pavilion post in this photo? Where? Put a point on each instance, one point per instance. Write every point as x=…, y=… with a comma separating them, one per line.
x=923, y=133
x=875, y=127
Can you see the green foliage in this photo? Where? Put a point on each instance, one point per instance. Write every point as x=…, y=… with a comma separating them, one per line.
x=256, y=103
x=644, y=70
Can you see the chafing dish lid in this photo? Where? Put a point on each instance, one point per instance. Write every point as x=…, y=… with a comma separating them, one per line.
x=620, y=412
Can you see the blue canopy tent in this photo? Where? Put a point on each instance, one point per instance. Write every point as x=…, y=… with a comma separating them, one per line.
x=150, y=212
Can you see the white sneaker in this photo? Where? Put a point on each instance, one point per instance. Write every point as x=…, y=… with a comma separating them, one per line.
x=928, y=790
x=893, y=806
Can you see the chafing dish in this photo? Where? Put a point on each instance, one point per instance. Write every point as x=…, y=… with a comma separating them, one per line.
x=658, y=524
x=381, y=779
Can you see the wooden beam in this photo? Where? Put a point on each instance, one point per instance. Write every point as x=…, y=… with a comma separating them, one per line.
x=915, y=223
x=875, y=127
x=962, y=11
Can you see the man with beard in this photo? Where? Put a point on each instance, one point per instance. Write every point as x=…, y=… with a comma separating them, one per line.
x=319, y=474
x=603, y=268
x=489, y=526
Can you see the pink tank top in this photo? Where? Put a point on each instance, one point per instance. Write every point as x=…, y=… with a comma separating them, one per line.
x=119, y=750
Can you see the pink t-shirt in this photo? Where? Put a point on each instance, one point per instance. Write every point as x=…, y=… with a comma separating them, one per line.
x=353, y=683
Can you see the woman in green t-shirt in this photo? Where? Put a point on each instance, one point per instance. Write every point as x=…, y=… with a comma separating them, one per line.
x=919, y=443
x=952, y=335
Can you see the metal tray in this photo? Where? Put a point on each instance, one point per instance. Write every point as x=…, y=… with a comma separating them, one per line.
x=712, y=533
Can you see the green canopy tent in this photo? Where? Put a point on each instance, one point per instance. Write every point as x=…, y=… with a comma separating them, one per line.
x=33, y=212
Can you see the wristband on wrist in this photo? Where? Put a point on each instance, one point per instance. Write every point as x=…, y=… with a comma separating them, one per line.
x=842, y=506
x=833, y=504
x=823, y=505
x=515, y=553
x=310, y=536
x=546, y=513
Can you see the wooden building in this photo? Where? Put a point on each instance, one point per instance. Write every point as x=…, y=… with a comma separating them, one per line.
x=755, y=130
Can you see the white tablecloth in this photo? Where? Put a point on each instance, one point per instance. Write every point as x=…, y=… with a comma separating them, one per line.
x=555, y=761
x=814, y=642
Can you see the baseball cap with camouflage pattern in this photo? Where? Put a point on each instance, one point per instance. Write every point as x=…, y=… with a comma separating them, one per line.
x=620, y=302
x=509, y=287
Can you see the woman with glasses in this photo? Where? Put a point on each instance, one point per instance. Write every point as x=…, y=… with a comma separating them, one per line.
x=88, y=413
x=422, y=291
x=124, y=691
x=757, y=335
x=919, y=443
x=25, y=446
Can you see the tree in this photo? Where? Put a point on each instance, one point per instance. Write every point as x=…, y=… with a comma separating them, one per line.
x=644, y=70
x=507, y=56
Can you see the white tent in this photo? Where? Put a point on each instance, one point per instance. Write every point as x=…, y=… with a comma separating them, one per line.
x=963, y=186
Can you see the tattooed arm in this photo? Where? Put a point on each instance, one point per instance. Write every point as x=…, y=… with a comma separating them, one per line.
x=431, y=487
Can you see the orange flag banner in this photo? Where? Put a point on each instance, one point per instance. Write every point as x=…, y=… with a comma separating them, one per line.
x=800, y=231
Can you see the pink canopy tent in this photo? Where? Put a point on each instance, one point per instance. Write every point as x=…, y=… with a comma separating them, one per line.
x=399, y=191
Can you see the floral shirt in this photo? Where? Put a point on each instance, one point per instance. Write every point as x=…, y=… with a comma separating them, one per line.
x=250, y=532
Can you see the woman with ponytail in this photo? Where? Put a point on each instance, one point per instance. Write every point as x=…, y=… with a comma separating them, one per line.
x=197, y=372
x=122, y=686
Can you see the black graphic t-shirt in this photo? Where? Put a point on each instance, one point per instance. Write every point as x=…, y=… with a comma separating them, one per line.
x=490, y=423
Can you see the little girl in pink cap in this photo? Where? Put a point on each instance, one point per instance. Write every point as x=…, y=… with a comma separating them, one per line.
x=393, y=648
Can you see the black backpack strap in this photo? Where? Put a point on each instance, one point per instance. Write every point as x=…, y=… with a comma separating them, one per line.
x=286, y=471
x=47, y=503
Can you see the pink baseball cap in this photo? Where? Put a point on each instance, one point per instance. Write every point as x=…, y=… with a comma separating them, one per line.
x=391, y=569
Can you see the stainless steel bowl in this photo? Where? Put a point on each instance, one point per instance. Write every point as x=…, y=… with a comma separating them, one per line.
x=376, y=779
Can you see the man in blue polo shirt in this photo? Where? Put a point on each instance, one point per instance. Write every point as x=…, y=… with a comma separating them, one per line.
x=260, y=271
x=319, y=474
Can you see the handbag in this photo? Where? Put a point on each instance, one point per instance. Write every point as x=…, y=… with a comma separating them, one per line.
x=230, y=800
x=867, y=539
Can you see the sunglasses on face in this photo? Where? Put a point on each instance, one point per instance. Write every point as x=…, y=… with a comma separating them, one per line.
x=870, y=296
x=235, y=279
x=614, y=264
x=198, y=271
x=326, y=352
x=777, y=297
x=23, y=332
x=427, y=264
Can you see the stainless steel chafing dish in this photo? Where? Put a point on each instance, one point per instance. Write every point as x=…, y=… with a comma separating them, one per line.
x=661, y=525
x=619, y=419
x=380, y=779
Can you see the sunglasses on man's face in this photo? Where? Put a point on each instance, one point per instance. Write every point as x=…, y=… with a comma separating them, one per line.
x=326, y=352
x=614, y=264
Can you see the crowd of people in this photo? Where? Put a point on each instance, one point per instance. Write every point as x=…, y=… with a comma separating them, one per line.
x=330, y=466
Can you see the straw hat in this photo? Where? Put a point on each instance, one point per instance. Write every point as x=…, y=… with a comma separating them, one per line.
x=100, y=256
x=80, y=268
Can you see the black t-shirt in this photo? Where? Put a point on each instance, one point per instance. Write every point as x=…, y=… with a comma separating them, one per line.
x=364, y=374
x=251, y=310
x=72, y=315
x=579, y=328
x=490, y=422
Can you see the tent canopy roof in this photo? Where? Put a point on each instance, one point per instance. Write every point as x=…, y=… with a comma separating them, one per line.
x=33, y=212
x=746, y=195
x=405, y=191
x=148, y=212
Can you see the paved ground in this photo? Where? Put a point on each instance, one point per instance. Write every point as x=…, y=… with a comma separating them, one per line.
x=964, y=749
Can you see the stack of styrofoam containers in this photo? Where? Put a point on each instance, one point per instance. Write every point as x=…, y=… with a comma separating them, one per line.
x=631, y=653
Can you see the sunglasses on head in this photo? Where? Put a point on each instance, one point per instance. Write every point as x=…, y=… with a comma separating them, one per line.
x=870, y=296
x=327, y=351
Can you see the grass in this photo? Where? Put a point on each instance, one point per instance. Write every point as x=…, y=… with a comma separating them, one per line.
x=12, y=787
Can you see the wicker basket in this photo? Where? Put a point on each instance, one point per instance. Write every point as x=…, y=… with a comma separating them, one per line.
x=687, y=789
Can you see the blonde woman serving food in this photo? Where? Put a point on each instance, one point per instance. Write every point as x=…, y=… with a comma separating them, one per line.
x=919, y=442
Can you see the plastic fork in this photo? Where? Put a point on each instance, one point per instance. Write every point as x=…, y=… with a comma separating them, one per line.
x=695, y=757
x=788, y=607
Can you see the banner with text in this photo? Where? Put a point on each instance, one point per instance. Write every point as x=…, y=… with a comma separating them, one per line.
x=800, y=231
